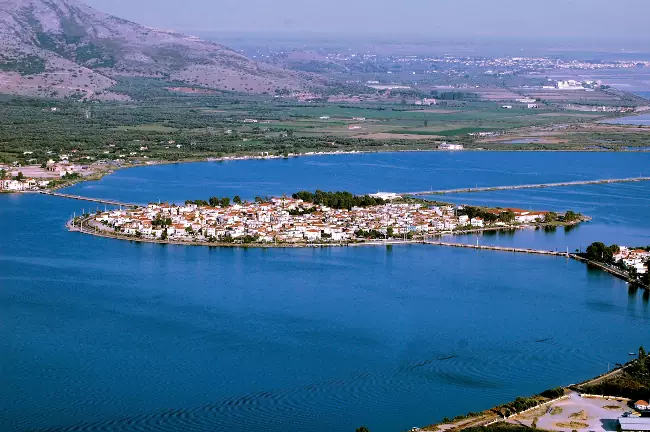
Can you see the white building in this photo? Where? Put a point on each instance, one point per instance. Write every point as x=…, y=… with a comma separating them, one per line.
x=386, y=195
x=446, y=146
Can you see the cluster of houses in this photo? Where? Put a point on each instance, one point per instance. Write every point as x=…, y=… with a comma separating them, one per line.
x=633, y=258
x=14, y=185
x=290, y=220
x=61, y=168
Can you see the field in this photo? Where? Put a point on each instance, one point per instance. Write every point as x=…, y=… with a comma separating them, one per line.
x=172, y=126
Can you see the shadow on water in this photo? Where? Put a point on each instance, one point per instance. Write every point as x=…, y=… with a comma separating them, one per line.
x=569, y=228
x=632, y=291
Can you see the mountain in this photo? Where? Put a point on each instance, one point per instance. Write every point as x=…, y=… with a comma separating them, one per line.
x=63, y=48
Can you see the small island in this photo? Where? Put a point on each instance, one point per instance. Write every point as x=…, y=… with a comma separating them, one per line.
x=306, y=218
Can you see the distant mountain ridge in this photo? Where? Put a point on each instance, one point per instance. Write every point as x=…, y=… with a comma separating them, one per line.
x=64, y=47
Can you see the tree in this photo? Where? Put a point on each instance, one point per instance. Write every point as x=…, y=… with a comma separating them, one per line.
x=362, y=429
x=163, y=235
x=597, y=251
x=225, y=202
x=390, y=232
x=214, y=201
x=3, y=174
x=258, y=199
x=550, y=217
x=237, y=199
x=507, y=216
x=20, y=176
x=571, y=216
x=642, y=353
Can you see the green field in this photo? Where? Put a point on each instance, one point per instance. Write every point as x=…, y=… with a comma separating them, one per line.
x=154, y=127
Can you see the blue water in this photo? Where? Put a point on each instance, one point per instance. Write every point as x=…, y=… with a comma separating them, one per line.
x=365, y=173
x=640, y=120
x=620, y=214
x=101, y=334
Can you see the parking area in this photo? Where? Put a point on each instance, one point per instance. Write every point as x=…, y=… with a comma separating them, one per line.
x=577, y=413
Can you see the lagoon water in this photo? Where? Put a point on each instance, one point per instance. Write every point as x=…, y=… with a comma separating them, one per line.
x=638, y=120
x=100, y=334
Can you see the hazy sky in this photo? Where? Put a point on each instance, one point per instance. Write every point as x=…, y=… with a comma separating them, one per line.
x=619, y=19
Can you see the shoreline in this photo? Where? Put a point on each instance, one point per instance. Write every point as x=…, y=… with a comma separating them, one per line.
x=96, y=176
x=124, y=237
x=493, y=414
x=431, y=240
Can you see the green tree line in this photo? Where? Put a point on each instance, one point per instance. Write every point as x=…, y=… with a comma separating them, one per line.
x=338, y=200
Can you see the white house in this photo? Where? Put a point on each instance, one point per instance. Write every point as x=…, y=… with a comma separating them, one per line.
x=642, y=405
x=477, y=222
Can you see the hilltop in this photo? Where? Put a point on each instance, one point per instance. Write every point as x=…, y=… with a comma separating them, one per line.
x=59, y=48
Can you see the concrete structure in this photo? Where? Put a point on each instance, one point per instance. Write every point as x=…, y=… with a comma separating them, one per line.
x=386, y=195
x=446, y=146
x=634, y=424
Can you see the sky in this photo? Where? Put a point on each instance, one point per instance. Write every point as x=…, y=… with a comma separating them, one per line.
x=536, y=19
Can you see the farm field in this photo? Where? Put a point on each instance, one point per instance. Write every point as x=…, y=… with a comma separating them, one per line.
x=201, y=126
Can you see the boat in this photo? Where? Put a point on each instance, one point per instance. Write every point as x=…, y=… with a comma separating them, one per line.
x=632, y=353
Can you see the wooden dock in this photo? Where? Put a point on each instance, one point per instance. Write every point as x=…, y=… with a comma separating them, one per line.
x=526, y=186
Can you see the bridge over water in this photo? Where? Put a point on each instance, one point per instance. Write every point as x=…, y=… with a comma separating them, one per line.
x=95, y=200
x=527, y=186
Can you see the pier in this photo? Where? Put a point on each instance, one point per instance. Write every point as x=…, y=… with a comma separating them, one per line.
x=95, y=200
x=614, y=271
x=526, y=186
x=497, y=248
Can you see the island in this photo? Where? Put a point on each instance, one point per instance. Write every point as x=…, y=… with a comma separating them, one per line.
x=306, y=218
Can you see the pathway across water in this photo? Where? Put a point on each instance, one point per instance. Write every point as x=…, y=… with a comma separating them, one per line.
x=527, y=186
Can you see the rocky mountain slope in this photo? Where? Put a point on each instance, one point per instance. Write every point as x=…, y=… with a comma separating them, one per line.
x=63, y=48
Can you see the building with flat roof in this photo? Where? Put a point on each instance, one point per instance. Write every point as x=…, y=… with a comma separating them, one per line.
x=446, y=146
x=634, y=424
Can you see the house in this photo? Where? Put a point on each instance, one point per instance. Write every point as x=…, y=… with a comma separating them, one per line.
x=312, y=234
x=642, y=405
x=13, y=185
x=477, y=222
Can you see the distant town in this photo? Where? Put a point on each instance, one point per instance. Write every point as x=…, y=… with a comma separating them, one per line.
x=293, y=220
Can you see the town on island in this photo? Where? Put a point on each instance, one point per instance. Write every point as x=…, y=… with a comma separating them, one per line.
x=308, y=218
